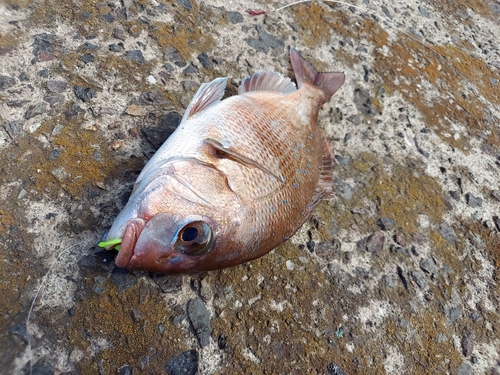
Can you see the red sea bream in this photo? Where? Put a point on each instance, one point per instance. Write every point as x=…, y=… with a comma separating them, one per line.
x=237, y=178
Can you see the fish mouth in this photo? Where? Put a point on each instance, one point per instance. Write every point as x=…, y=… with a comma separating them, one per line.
x=130, y=237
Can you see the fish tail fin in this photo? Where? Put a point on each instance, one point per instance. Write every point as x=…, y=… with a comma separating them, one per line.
x=306, y=73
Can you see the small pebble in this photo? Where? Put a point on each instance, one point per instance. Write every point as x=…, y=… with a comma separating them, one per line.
x=465, y=369
x=386, y=223
x=447, y=233
x=468, y=341
x=474, y=315
x=114, y=47
x=441, y=338
x=342, y=160
x=14, y=128
x=115, y=145
x=173, y=55
x=185, y=363
x=186, y=4
x=59, y=173
x=496, y=194
x=264, y=41
x=22, y=194
x=35, y=110
x=54, y=154
x=386, y=12
x=419, y=278
x=169, y=67
x=235, y=17
x=290, y=265
x=6, y=82
x=84, y=93
x=373, y=243
x=427, y=265
x=455, y=195
x=136, y=110
x=222, y=342
x=363, y=102
x=57, y=86
x=190, y=69
x=136, y=55
x=473, y=201
x=108, y=17
x=87, y=58
x=204, y=60
x=89, y=46
x=354, y=120
x=453, y=314
x=200, y=320
x=389, y=282
x=334, y=369
x=423, y=12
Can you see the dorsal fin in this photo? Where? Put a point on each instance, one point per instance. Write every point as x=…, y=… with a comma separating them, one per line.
x=267, y=81
x=208, y=94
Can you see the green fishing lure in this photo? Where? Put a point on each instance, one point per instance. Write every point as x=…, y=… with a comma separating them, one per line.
x=111, y=243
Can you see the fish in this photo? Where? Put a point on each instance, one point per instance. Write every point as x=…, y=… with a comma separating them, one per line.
x=238, y=177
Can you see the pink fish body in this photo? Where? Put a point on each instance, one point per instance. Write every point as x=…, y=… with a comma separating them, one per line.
x=237, y=178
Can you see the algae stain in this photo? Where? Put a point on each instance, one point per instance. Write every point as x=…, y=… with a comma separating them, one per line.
x=312, y=21
x=185, y=35
x=129, y=333
x=286, y=339
x=76, y=164
x=422, y=338
x=490, y=238
x=451, y=70
x=405, y=194
x=411, y=64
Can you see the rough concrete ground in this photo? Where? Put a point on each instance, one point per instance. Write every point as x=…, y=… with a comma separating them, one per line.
x=398, y=274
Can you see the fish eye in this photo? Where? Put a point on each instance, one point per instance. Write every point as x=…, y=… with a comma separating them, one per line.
x=189, y=234
x=195, y=238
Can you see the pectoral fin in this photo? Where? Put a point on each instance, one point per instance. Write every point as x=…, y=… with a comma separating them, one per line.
x=227, y=153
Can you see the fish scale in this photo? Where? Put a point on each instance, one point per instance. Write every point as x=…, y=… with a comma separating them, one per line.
x=238, y=176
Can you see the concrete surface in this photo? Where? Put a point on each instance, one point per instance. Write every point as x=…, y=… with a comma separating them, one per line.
x=398, y=274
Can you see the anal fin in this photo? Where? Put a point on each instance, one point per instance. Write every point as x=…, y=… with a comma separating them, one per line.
x=324, y=188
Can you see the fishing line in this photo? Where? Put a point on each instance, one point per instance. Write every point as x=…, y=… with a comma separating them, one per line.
x=44, y=279
x=392, y=24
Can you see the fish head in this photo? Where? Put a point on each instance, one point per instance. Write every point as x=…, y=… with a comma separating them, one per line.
x=174, y=225
x=167, y=243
